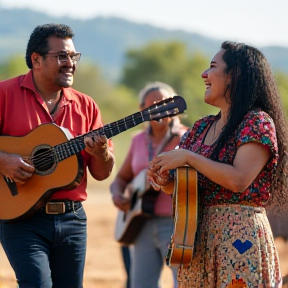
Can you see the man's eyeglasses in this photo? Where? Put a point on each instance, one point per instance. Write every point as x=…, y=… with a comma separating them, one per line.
x=63, y=57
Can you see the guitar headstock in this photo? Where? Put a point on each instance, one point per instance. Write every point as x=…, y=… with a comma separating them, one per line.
x=165, y=108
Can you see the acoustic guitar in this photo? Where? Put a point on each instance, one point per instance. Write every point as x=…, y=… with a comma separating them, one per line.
x=185, y=211
x=143, y=197
x=57, y=160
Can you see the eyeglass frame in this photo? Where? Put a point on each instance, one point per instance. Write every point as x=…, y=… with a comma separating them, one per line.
x=62, y=53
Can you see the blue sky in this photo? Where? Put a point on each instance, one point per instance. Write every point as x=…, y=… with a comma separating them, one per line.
x=256, y=22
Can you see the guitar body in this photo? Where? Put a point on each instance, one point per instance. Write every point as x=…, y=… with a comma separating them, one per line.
x=185, y=211
x=66, y=174
x=129, y=224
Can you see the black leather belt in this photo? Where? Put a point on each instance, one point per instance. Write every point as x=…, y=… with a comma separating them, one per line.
x=60, y=207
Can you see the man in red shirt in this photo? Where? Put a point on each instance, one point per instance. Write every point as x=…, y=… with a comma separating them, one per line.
x=48, y=248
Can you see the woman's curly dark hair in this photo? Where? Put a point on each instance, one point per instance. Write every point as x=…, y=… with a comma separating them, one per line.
x=38, y=41
x=253, y=86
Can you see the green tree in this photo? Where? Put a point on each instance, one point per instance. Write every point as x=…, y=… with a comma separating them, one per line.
x=282, y=82
x=13, y=67
x=115, y=102
x=170, y=62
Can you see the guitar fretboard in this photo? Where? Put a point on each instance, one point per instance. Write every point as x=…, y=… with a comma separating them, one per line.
x=165, y=108
x=76, y=145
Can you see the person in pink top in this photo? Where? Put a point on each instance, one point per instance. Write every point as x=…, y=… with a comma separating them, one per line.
x=150, y=246
x=47, y=248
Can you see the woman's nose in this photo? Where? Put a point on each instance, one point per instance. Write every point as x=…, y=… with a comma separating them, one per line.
x=205, y=74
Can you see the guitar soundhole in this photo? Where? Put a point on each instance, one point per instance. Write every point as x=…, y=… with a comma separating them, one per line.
x=43, y=160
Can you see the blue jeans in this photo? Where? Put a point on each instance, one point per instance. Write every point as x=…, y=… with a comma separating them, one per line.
x=47, y=250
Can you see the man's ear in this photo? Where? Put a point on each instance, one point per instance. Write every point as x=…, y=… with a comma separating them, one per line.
x=35, y=58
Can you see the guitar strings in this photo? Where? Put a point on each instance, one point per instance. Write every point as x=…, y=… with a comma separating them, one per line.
x=48, y=156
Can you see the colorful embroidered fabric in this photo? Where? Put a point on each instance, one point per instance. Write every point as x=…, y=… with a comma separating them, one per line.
x=257, y=126
x=235, y=249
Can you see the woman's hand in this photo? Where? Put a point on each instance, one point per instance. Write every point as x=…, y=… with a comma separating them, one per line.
x=159, y=170
x=158, y=179
x=121, y=201
x=169, y=160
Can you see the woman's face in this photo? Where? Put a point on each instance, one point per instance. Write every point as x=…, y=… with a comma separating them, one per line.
x=216, y=82
x=152, y=98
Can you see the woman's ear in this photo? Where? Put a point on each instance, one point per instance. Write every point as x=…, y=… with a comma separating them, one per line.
x=228, y=80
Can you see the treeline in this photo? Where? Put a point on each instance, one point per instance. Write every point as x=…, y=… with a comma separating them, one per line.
x=169, y=62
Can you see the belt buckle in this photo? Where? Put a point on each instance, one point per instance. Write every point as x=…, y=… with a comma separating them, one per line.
x=55, y=208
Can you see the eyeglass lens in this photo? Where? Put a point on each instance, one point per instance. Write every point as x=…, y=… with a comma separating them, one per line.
x=64, y=57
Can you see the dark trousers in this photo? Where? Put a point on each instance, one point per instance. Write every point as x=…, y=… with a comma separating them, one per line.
x=47, y=250
x=127, y=263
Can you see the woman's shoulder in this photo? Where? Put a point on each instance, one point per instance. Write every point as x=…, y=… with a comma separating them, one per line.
x=257, y=125
x=204, y=121
x=258, y=116
x=257, y=113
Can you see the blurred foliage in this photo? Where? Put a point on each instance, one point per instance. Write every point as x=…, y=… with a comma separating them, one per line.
x=13, y=67
x=115, y=102
x=282, y=82
x=169, y=62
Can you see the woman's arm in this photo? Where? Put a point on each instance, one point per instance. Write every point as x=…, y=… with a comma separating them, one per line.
x=119, y=184
x=249, y=160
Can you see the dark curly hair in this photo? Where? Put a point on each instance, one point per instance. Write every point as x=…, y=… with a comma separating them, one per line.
x=253, y=86
x=38, y=41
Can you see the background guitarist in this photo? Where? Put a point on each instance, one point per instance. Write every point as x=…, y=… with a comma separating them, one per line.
x=48, y=249
x=150, y=246
x=241, y=158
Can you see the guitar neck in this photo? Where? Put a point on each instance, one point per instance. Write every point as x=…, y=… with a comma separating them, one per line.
x=164, y=108
x=76, y=145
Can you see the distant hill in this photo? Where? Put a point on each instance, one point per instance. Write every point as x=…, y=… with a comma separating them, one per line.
x=104, y=41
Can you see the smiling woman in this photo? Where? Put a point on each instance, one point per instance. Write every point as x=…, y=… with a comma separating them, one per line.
x=239, y=173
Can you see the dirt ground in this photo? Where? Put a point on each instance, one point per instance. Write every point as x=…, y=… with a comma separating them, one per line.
x=104, y=268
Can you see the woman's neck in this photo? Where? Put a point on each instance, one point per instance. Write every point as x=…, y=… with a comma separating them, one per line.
x=223, y=118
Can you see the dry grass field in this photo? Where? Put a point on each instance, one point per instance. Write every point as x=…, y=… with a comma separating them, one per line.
x=104, y=268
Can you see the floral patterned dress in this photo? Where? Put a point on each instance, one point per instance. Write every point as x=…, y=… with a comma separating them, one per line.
x=234, y=246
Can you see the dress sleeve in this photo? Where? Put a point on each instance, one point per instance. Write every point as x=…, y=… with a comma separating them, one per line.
x=258, y=127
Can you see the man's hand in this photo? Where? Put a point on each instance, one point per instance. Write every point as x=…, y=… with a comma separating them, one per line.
x=15, y=168
x=103, y=160
x=98, y=148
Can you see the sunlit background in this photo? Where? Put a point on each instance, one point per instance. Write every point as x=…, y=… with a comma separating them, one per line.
x=260, y=22
x=127, y=43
